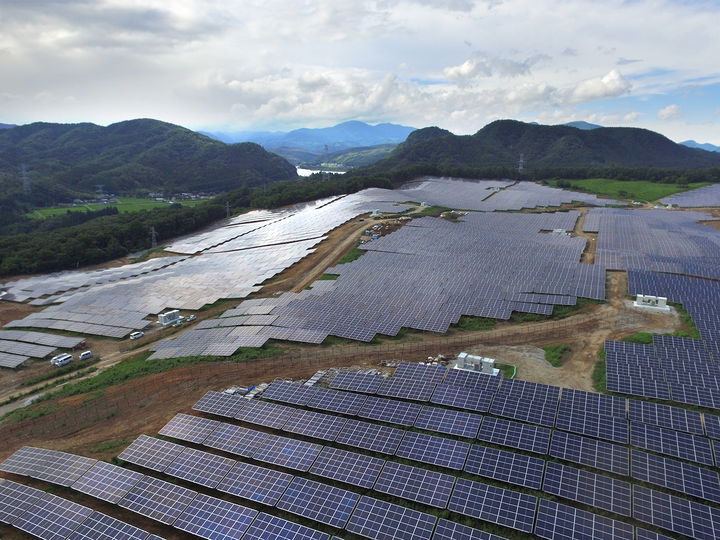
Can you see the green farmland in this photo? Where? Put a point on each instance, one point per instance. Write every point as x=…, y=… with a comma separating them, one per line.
x=124, y=204
x=628, y=189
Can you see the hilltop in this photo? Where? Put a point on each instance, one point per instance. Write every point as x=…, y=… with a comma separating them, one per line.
x=65, y=160
x=501, y=143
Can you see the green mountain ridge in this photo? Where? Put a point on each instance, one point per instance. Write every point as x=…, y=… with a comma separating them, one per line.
x=68, y=160
x=503, y=142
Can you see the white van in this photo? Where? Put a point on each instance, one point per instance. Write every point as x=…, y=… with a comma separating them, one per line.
x=61, y=360
x=85, y=355
x=137, y=334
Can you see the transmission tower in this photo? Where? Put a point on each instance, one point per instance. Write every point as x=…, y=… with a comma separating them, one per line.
x=153, y=237
x=25, y=179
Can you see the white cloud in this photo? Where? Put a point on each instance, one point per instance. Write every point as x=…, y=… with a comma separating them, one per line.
x=611, y=85
x=669, y=112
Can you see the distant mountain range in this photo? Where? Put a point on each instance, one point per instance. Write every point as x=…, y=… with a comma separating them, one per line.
x=7, y=126
x=703, y=146
x=131, y=156
x=303, y=144
x=501, y=143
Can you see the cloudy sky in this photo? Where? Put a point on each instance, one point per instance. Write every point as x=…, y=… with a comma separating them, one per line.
x=283, y=64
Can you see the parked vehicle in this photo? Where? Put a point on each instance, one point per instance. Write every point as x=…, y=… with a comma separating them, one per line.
x=191, y=318
x=85, y=355
x=137, y=334
x=61, y=360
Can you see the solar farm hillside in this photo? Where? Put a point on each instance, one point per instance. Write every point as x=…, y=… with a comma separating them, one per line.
x=315, y=389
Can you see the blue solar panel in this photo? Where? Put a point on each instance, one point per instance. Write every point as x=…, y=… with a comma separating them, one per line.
x=676, y=475
x=515, y=434
x=463, y=398
x=290, y=453
x=380, y=520
x=610, y=428
x=314, y=424
x=672, y=443
x=336, y=401
x=712, y=425
x=356, y=382
x=220, y=403
x=236, y=440
x=494, y=504
x=383, y=439
x=505, y=466
x=675, y=514
x=433, y=450
x=101, y=527
x=557, y=521
x=323, y=503
x=266, y=527
x=52, y=518
x=535, y=411
x=460, y=423
x=215, y=519
x=589, y=488
x=203, y=468
x=264, y=413
x=390, y=410
x=288, y=392
x=666, y=416
x=107, y=482
x=350, y=467
x=16, y=499
x=415, y=484
x=157, y=499
x=591, y=452
x=601, y=404
x=449, y=530
x=255, y=483
x=472, y=379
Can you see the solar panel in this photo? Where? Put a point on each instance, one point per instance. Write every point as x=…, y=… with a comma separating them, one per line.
x=666, y=416
x=220, y=403
x=380, y=520
x=676, y=475
x=215, y=519
x=589, y=488
x=16, y=499
x=675, y=514
x=473, y=399
x=460, y=423
x=514, y=434
x=107, y=482
x=314, y=424
x=449, y=530
x=149, y=452
x=200, y=467
x=266, y=526
x=471, y=379
x=591, y=452
x=433, y=450
x=189, y=428
x=255, y=483
x=415, y=484
x=418, y=390
x=50, y=465
x=672, y=443
x=494, y=504
x=601, y=404
x=535, y=411
x=101, y=527
x=368, y=436
x=264, y=413
x=356, y=382
x=506, y=466
x=286, y=452
x=288, y=392
x=557, y=521
x=236, y=440
x=52, y=517
x=644, y=534
x=609, y=428
x=390, y=410
x=323, y=503
x=157, y=499
x=712, y=425
x=345, y=466
x=336, y=401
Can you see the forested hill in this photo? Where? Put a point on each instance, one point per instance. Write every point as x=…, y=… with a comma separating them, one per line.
x=144, y=154
x=501, y=143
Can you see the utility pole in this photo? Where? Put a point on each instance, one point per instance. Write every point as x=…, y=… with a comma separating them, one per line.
x=153, y=237
x=25, y=179
x=227, y=209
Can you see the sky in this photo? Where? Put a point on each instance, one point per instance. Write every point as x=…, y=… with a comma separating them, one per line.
x=282, y=64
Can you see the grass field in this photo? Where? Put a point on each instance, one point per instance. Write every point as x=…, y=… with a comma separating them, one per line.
x=124, y=204
x=627, y=189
